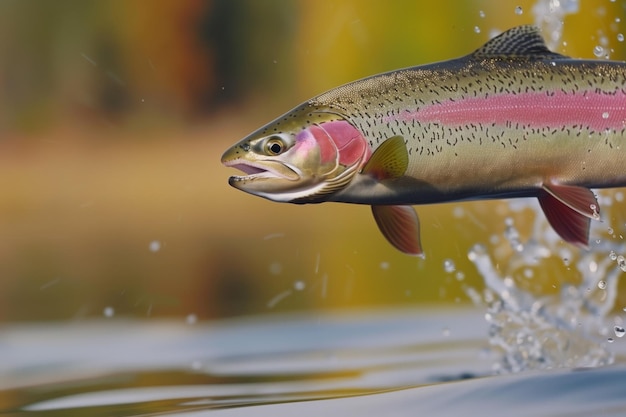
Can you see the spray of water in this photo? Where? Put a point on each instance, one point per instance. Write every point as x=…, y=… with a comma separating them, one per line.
x=566, y=328
x=567, y=324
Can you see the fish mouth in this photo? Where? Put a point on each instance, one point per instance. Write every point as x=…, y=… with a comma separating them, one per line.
x=261, y=170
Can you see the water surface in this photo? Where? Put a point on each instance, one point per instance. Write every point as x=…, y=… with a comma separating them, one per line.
x=382, y=362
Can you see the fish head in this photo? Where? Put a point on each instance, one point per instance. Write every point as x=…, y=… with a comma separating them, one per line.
x=301, y=157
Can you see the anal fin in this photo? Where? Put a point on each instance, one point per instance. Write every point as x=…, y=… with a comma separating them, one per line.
x=400, y=226
x=569, y=210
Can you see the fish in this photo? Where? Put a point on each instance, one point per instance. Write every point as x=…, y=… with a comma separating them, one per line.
x=512, y=119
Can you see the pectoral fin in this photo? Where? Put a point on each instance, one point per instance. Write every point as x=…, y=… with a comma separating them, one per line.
x=569, y=210
x=389, y=160
x=400, y=225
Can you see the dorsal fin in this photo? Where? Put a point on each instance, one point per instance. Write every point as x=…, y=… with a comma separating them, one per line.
x=519, y=42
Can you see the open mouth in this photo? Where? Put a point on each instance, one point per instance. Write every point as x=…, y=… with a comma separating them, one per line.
x=254, y=171
x=250, y=170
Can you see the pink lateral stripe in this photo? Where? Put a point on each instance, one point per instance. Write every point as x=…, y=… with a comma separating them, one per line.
x=596, y=111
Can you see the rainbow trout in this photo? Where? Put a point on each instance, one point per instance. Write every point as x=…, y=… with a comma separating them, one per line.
x=512, y=119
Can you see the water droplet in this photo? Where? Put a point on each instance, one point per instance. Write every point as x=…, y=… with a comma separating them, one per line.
x=605, y=115
x=528, y=273
x=273, y=236
x=620, y=37
x=519, y=10
x=191, y=319
x=602, y=284
x=108, y=311
x=512, y=235
x=154, y=246
x=276, y=268
x=460, y=276
x=476, y=298
x=278, y=298
x=604, y=41
x=299, y=285
x=481, y=13
x=621, y=262
x=448, y=266
x=610, y=340
x=612, y=255
x=619, y=331
x=476, y=29
x=458, y=212
x=598, y=51
x=384, y=265
x=610, y=230
x=475, y=252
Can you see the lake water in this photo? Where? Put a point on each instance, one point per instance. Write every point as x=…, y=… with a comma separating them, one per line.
x=377, y=362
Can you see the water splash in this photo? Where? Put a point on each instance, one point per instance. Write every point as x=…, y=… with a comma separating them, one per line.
x=566, y=328
x=549, y=15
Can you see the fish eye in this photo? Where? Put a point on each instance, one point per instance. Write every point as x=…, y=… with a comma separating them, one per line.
x=275, y=145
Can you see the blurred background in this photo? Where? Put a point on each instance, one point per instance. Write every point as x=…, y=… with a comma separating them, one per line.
x=113, y=118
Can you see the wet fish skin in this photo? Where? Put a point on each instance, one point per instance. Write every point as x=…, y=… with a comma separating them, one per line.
x=512, y=119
